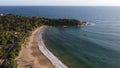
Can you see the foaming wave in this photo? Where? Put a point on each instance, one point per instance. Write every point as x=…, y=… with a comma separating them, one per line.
x=54, y=60
x=90, y=24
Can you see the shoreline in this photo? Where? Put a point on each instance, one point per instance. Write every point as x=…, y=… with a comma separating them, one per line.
x=34, y=54
x=54, y=60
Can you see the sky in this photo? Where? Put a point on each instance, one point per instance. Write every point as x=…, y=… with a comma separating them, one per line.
x=60, y=2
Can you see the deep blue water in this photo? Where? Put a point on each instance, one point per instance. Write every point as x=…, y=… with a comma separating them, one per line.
x=93, y=46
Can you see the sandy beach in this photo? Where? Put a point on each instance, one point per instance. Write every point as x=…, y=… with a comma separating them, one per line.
x=30, y=55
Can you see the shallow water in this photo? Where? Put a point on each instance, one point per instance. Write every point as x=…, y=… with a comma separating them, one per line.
x=82, y=49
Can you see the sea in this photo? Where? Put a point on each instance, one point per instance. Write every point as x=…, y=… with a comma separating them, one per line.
x=93, y=46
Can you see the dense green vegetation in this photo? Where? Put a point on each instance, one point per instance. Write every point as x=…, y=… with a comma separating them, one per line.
x=13, y=31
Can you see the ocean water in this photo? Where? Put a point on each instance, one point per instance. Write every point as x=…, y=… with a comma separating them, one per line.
x=93, y=46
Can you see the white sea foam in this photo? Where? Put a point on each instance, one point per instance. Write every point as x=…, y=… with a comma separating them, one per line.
x=90, y=24
x=54, y=60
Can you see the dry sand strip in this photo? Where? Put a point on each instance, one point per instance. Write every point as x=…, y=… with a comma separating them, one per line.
x=30, y=56
x=55, y=61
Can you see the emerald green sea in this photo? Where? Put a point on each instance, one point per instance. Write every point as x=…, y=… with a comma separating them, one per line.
x=78, y=48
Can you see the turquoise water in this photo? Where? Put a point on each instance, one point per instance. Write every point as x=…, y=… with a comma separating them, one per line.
x=93, y=46
x=78, y=48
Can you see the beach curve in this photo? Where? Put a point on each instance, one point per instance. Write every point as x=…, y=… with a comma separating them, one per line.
x=54, y=60
x=34, y=53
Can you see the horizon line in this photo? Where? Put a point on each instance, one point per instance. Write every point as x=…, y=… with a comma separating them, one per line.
x=68, y=5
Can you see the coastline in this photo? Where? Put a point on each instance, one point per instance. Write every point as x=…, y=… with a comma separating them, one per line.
x=34, y=53
x=30, y=56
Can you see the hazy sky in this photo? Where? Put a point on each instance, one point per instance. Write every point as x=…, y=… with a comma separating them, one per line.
x=62, y=2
